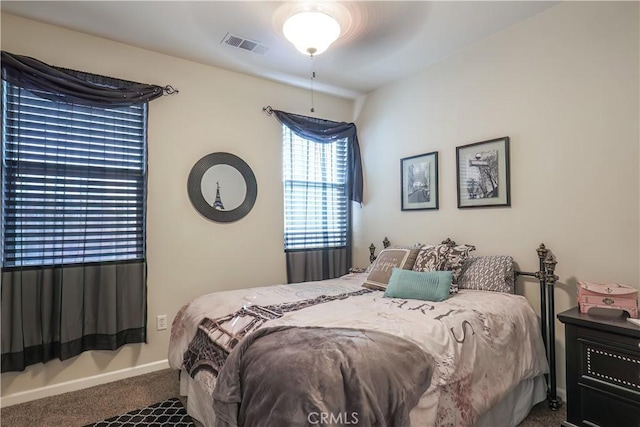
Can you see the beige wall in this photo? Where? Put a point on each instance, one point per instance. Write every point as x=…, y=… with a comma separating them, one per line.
x=564, y=86
x=188, y=255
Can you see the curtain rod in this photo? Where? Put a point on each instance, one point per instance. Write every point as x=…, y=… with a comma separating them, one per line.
x=170, y=90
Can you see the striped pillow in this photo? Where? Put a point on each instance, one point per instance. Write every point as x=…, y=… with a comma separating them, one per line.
x=427, y=286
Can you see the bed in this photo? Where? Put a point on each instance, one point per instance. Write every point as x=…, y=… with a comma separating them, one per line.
x=477, y=358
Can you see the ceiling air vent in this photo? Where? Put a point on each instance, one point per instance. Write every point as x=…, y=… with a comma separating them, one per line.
x=244, y=44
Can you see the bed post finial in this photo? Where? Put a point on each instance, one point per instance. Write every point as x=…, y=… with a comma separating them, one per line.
x=386, y=243
x=372, y=251
x=542, y=251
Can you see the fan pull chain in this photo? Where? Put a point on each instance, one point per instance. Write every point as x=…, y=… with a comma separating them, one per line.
x=313, y=76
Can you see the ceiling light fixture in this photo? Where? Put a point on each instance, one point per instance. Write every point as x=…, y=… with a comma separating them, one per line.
x=311, y=32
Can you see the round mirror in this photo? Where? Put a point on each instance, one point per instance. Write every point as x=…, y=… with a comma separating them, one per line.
x=222, y=187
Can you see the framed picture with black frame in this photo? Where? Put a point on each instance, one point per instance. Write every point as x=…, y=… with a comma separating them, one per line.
x=419, y=182
x=483, y=174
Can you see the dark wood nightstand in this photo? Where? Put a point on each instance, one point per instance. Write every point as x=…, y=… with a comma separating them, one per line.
x=603, y=370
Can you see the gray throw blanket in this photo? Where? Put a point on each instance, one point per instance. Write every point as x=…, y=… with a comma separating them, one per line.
x=289, y=376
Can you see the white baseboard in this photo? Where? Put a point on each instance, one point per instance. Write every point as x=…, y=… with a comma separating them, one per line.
x=82, y=383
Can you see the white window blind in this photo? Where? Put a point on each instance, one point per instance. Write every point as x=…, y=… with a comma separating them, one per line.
x=315, y=193
x=73, y=181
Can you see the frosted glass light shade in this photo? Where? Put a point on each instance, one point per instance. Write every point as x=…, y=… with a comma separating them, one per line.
x=311, y=32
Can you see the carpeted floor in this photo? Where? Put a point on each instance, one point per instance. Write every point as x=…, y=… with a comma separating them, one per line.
x=102, y=402
x=93, y=404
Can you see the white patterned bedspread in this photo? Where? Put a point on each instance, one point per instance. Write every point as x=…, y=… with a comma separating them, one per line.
x=484, y=343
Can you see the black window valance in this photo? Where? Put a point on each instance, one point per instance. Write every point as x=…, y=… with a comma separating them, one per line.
x=326, y=131
x=64, y=85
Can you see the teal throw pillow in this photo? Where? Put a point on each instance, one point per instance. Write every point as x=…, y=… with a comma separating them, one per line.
x=422, y=285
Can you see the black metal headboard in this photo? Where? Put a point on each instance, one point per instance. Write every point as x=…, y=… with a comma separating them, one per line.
x=546, y=279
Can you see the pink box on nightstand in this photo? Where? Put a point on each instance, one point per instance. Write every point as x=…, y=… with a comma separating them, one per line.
x=602, y=295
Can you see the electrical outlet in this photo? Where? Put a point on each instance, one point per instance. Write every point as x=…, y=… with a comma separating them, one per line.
x=161, y=322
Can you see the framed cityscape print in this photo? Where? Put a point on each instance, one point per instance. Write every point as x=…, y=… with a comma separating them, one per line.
x=419, y=182
x=483, y=174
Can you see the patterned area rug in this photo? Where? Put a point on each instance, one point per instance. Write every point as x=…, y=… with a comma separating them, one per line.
x=169, y=413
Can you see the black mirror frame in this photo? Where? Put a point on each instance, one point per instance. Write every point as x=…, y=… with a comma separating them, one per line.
x=194, y=187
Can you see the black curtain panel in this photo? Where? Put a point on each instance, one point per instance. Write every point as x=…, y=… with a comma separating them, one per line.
x=59, y=312
x=317, y=264
x=74, y=173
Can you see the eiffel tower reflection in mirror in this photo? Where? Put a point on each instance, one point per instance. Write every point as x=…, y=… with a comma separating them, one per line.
x=218, y=202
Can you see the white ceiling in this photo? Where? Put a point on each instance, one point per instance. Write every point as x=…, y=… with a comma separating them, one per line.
x=381, y=41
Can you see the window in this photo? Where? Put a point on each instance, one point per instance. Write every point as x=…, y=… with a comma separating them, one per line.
x=74, y=180
x=316, y=206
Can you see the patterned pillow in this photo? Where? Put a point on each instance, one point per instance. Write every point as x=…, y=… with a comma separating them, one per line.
x=455, y=259
x=443, y=257
x=431, y=258
x=384, y=264
x=488, y=273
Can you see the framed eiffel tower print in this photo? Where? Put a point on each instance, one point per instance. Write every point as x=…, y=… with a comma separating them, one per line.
x=222, y=187
x=483, y=174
